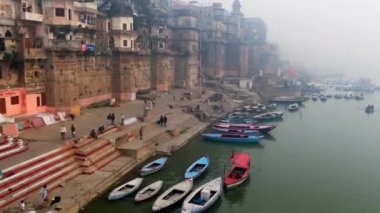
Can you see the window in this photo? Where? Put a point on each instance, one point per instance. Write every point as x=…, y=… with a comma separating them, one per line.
x=124, y=26
x=69, y=15
x=14, y=100
x=109, y=26
x=161, y=31
x=131, y=26
x=36, y=74
x=60, y=12
x=38, y=101
x=125, y=43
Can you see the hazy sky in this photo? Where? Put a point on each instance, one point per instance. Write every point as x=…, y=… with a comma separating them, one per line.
x=322, y=35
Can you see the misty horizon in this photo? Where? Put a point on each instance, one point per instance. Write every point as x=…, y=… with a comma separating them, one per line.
x=326, y=36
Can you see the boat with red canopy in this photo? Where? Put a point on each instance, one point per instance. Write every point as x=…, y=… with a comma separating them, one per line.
x=239, y=171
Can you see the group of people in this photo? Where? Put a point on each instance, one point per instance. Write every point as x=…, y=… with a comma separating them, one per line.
x=163, y=121
x=63, y=131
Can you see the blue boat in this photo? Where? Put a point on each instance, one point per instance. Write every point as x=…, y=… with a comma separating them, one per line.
x=153, y=166
x=235, y=138
x=197, y=168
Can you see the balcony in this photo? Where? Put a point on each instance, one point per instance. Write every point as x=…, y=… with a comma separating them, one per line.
x=36, y=17
x=125, y=32
x=73, y=45
x=34, y=53
x=86, y=6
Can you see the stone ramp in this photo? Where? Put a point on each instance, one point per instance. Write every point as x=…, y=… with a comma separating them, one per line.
x=140, y=149
x=181, y=140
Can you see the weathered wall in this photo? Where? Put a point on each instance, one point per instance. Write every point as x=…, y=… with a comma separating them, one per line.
x=162, y=71
x=131, y=74
x=72, y=77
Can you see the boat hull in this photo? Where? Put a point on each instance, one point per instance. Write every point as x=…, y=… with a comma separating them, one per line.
x=216, y=137
x=204, y=161
x=214, y=185
x=236, y=184
x=146, y=170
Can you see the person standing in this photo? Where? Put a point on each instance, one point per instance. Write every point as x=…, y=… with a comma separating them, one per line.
x=112, y=119
x=73, y=132
x=122, y=119
x=44, y=193
x=63, y=132
x=22, y=205
x=141, y=132
x=165, y=120
x=161, y=121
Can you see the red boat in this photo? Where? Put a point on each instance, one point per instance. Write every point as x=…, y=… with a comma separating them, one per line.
x=261, y=128
x=239, y=171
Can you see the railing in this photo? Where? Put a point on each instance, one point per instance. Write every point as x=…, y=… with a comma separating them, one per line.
x=32, y=17
x=30, y=53
x=65, y=44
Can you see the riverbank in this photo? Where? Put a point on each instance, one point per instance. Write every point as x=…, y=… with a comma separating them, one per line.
x=129, y=151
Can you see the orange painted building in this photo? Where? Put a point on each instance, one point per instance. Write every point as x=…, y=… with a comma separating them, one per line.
x=16, y=102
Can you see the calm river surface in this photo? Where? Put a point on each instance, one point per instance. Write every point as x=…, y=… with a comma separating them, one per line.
x=323, y=158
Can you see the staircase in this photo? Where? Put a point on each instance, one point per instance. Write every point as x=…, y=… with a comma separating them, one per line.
x=52, y=169
x=95, y=154
x=10, y=147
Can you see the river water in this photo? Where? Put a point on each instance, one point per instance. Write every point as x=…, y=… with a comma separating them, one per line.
x=323, y=158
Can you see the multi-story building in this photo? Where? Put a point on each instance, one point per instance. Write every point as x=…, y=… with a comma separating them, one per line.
x=162, y=61
x=185, y=47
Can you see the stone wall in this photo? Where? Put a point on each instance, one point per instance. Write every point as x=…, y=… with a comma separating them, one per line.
x=162, y=70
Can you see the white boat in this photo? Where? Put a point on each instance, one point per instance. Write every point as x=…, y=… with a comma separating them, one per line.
x=149, y=191
x=125, y=189
x=293, y=107
x=173, y=195
x=203, y=197
x=272, y=106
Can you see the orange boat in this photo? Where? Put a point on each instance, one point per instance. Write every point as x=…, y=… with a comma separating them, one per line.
x=239, y=171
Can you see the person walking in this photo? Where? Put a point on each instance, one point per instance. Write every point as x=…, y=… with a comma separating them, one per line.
x=141, y=132
x=44, y=193
x=165, y=120
x=63, y=131
x=73, y=132
x=122, y=119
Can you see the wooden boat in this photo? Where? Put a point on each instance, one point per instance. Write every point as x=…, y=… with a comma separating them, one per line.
x=149, y=191
x=236, y=138
x=153, y=166
x=293, y=107
x=261, y=128
x=238, y=131
x=269, y=116
x=197, y=168
x=239, y=171
x=370, y=109
x=125, y=189
x=173, y=195
x=272, y=106
x=203, y=197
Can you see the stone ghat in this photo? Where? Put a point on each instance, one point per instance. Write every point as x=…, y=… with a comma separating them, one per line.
x=79, y=165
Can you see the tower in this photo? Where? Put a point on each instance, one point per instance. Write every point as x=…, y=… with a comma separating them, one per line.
x=236, y=8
